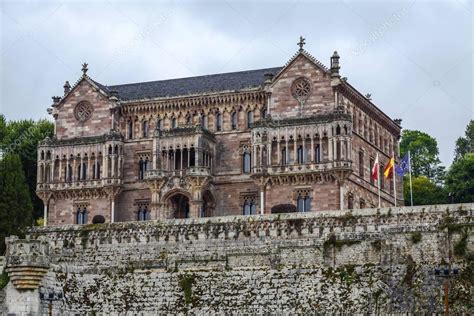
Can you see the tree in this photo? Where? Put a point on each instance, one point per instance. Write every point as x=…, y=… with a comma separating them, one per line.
x=460, y=179
x=465, y=145
x=15, y=203
x=22, y=137
x=424, y=154
x=425, y=192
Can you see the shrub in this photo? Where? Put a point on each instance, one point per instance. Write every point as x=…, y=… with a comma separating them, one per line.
x=283, y=208
x=98, y=219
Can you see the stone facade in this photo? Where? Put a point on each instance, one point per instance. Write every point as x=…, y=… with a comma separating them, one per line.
x=368, y=261
x=226, y=144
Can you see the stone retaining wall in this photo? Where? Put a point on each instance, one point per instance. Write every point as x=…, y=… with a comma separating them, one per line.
x=364, y=261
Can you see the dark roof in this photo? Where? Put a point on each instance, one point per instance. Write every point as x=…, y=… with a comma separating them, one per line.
x=231, y=81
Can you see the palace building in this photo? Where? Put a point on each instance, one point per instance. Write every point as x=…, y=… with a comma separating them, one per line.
x=235, y=143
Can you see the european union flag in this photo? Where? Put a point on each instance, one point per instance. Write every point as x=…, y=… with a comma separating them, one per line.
x=403, y=166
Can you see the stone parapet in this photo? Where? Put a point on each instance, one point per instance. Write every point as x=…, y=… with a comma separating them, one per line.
x=27, y=261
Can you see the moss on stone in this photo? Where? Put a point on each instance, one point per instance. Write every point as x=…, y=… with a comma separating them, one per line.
x=415, y=237
x=460, y=247
x=332, y=241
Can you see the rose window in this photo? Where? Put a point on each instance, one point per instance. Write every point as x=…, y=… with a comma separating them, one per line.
x=301, y=89
x=83, y=111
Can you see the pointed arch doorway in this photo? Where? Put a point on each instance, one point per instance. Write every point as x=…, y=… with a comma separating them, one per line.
x=178, y=203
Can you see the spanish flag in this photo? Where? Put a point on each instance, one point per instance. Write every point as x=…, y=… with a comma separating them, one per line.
x=389, y=168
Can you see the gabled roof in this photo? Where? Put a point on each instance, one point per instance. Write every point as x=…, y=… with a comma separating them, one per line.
x=232, y=81
x=304, y=53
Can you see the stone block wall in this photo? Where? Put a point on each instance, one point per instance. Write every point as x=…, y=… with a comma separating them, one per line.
x=364, y=261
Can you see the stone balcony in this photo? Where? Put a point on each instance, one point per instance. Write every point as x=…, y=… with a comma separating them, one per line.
x=304, y=168
x=157, y=174
x=75, y=185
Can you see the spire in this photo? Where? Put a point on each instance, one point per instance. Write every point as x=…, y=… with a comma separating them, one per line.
x=301, y=43
x=335, y=64
x=84, y=68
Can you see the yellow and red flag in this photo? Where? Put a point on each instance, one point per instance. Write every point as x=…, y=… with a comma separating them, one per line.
x=389, y=168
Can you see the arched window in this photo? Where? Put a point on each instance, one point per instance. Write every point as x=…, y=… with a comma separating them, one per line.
x=98, y=171
x=141, y=169
x=174, y=122
x=338, y=130
x=81, y=215
x=350, y=202
x=301, y=155
x=249, y=119
x=78, y=173
x=116, y=150
x=143, y=213
x=361, y=164
x=84, y=171
x=145, y=129
x=69, y=173
x=219, y=122
x=283, y=156
x=192, y=157
x=263, y=113
x=317, y=153
x=130, y=130
x=234, y=120
x=249, y=208
x=159, y=124
x=204, y=121
x=42, y=155
x=247, y=165
x=189, y=120
x=303, y=203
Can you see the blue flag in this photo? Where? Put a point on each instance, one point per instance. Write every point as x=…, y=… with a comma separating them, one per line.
x=403, y=166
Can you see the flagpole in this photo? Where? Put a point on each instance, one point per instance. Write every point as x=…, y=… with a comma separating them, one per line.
x=409, y=175
x=378, y=184
x=394, y=182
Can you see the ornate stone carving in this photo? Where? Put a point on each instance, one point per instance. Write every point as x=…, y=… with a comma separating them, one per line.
x=27, y=261
x=301, y=89
x=83, y=111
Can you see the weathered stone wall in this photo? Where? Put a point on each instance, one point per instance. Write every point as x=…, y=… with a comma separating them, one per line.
x=365, y=261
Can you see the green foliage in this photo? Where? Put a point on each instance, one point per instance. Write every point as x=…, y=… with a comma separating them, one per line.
x=460, y=179
x=424, y=154
x=460, y=246
x=4, y=279
x=465, y=144
x=15, y=203
x=22, y=138
x=415, y=237
x=425, y=192
x=333, y=242
x=186, y=283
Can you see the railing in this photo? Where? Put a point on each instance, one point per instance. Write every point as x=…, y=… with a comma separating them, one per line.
x=78, y=184
x=190, y=171
x=304, y=168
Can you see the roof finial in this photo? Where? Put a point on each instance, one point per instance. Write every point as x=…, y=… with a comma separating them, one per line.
x=301, y=43
x=84, y=68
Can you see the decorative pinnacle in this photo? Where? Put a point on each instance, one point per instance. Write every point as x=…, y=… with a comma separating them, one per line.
x=301, y=43
x=84, y=68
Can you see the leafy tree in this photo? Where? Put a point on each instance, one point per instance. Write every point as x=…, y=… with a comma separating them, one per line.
x=424, y=154
x=425, y=192
x=15, y=203
x=460, y=179
x=465, y=144
x=22, y=137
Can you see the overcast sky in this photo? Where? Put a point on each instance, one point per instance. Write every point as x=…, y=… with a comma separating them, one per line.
x=414, y=57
